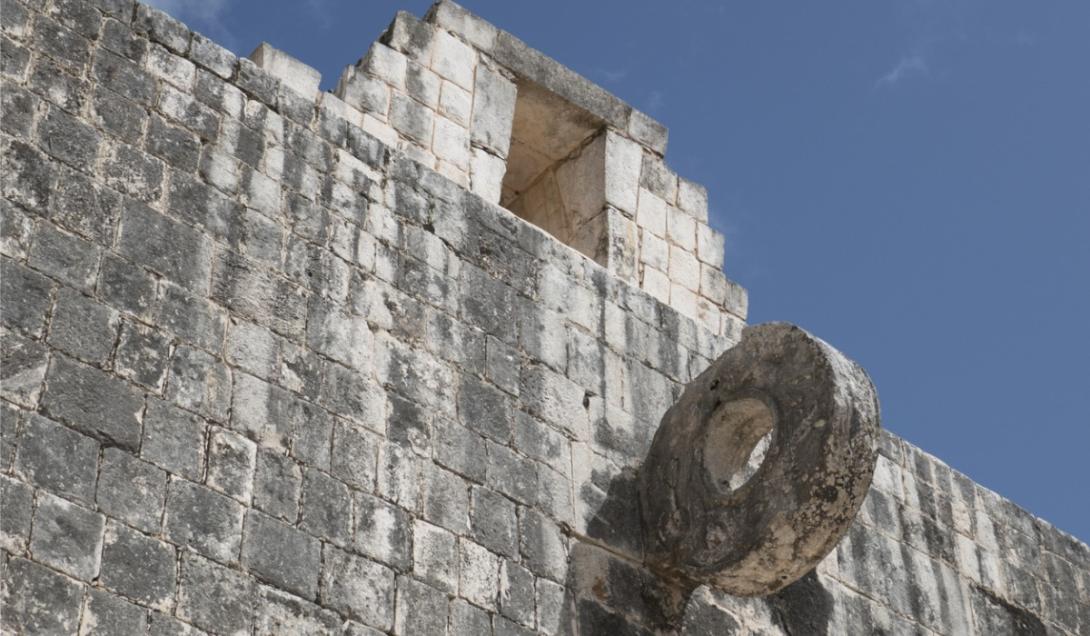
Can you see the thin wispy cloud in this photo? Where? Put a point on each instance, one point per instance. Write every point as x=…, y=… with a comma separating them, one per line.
x=655, y=101
x=612, y=76
x=913, y=65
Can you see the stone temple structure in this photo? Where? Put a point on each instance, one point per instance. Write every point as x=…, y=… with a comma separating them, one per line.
x=392, y=359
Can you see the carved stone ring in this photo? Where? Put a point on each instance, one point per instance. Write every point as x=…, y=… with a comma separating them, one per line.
x=760, y=467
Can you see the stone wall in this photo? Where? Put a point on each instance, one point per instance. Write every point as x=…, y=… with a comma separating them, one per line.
x=265, y=372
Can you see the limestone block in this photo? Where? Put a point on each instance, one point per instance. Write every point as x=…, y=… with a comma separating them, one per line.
x=656, y=283
x=478, y=576
x=281, y=555
x=652, y=213
x=138, y=566
x=386, y=64
x=648, y=132
x=39, y=600
x=411, y=36
x=654, y=251
x=213, y=597
x=111, y=614
x=67, y=537
x=715, y=466
x=623, y=159
x=684, y=268
x=364, y=91
x=421, y=609
x=450, y=16
x=290, y=71
x=131, y=490
x=455, y=103
x=493, y=109
x=422, y=84
x=451, y=143
x=173, y=439
x=681, y=229
x=453, y=59
x=169, y=67
x=203, y=520
x=693, y=199
x=435, y=556
x=710, y=245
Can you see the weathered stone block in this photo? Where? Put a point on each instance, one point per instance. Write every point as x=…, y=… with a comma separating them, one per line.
x=199, y=382
x=459, y=450
x=516, y=593
x=94, y=402
x=326, y=508
x=445, y=499
x=173, y=439
x=281, y=555
x=67, y=537
x=23, y=363
x=17, y=502
x=382, y=532
x=357, y=587
x=354, y=456
x=84, y=208
x=543, y=547
x=28, y=297
x=411, y=118
x=125, y=287
x=435, y=556
x=138, y=567
x=191, y=318
x=467, y=619
x=37, y=600
x=204, y=520
x=478, y=575
x=165, y=246
x=277, y=484
x=65, y=257
x=420, y=609
x=82, y=327
x=213, y=597
x=131, y=490
x=108, y=614
x=68, y=139
x=142, y=355
x=231, y=459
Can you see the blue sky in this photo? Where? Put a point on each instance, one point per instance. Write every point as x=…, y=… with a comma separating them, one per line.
x=910, y=180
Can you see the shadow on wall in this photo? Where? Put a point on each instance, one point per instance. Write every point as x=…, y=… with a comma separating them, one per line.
x=610, y=593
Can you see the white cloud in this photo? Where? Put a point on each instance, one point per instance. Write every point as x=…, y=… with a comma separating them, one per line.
x=907, y=66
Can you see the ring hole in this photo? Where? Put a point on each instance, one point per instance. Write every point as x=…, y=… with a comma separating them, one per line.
x=736, y=441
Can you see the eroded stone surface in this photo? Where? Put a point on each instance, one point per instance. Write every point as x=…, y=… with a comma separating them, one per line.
x=759, y=468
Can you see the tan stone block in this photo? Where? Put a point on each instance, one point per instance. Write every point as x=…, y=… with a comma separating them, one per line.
x=681, y=229
x=623, y=159
x=684, y=300
x=455, y=103
x=654, y=251
x=486, y=174
x=380, y=130
x=693, y=199
x=450, y=143
x=386, y=64
x=710, y=245
x=656, y=283
x=651, y=213
x=454, y=60
x=684, y=268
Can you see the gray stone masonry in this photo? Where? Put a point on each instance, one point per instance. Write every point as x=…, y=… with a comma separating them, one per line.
x=268, y=366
